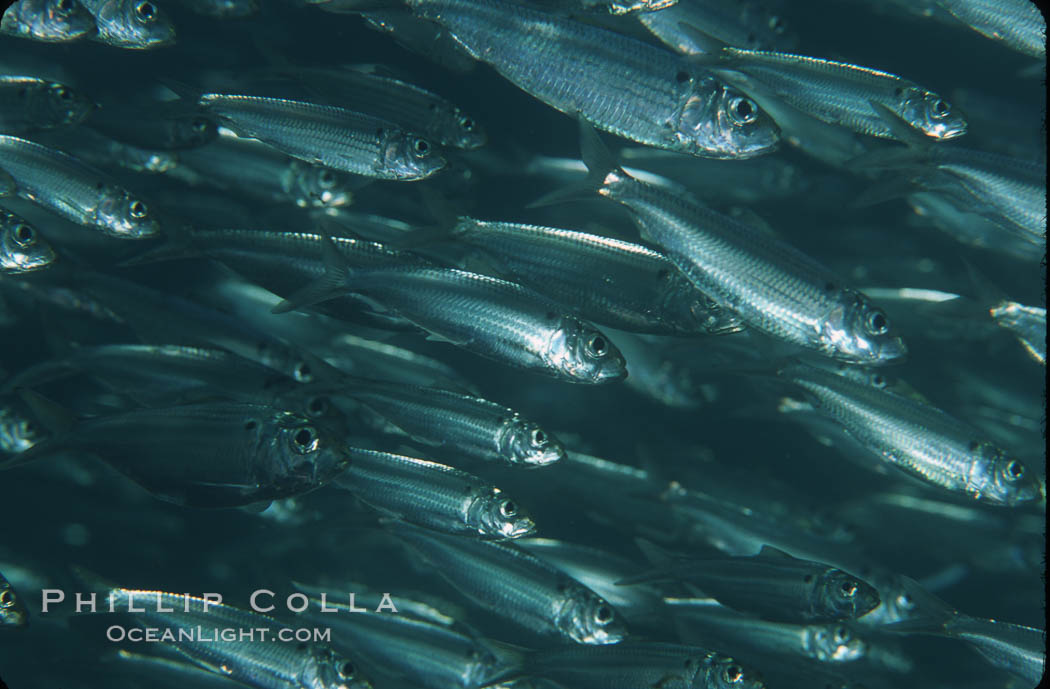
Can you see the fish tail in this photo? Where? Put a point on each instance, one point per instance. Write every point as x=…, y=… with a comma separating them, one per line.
x=602, y=169
x=328, y=286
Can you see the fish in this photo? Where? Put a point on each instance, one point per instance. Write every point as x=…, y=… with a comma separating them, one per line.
x=774, y=586
x=616, y=83
x=919, y=439
x=156, y=126
x=280, y=663
x=1017, y=24
x=77, y=192
x=606, y=281
x=131, y=24
x=639, y=663
x=494, y=318
x=433, y=495
x=223, y=9
x=378, y=91
x=838, y=93
x=48, y=21
x=327, y=135
x=746, y=24
x=770, y=285
x=13, y=612
x=517, y=586
x=462, y=424
x=28, y=103
x=266, y=453
x=22, y=249
x=100, y=151
x=1028, y=323
x=425, y=651
x=260, y=172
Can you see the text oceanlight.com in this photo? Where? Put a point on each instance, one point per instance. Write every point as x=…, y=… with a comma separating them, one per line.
x=199, y=634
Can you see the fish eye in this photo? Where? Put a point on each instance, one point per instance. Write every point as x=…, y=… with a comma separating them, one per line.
x=138, y=210
x=849, y=588
x=597, y=346
x=878, y=381
x=777, y=24
x=539, y=438
x=63, y=93
x=841, y=635
x=466, y=124
x=346, y=670
x=877, y=323
x=507, y=508
x=327, y=179
x=305, y=439
x=24, y=235
x=603, y=614
x=1014, y=470
x=939, y=109
x=421, y=147
x=742, y=110
x=250, y=425
x=7, y=599
x=64, y=6
x=905, y=601
x=681, y=77
x=302, y=372
x=317, y=406
x=146, y=11
x=200, y=125
x=733, y=674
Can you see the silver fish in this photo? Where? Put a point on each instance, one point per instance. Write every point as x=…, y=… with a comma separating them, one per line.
x=463, y=424
x=101, y=151
x=28, y=103
x=774, y=586
x=622, y=7
x=261, y=664
x=1028, y=323
x=22, y=249
x=329, y=136
x=517, y=586
x=12, y=612
x=837, y=92
x=746, y=24
x=133, y=24
x=213, y=454
x=426, y=652
x=918, y=438
x=616, y=83
x=64, y=185
x=1017, y=24
x=371, y=89
x=223, y=9
x=604, y=280
x=50, y=21
x=497, y=319
x=433, y=495
x=769, y=284
x=257, y=170
x=639, y=664
x=164, y=126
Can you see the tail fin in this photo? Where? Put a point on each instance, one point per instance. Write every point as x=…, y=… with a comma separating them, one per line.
x=600, y=164
x=327, y=286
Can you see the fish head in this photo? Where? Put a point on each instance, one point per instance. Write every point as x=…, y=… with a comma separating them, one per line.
x=842, y=596
x=304, y=453
x=833, y=643
x=582, y=354
x=137, y=24
x=60, y=20
x=1000, y=479
x=191, y=131
x=588, y=618
x=12, y=612
x=125, y=216
x=325, y=669
x=722, y=672
x=409, y=156
x=523, y=442
x=929, y=113
x=464, y=130
x=495, y=515
x=857, y=331
x=22, y=249
x=62, y=106
x=316, y=186
x=726, y=125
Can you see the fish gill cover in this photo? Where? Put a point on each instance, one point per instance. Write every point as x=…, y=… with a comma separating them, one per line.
x=470, y=343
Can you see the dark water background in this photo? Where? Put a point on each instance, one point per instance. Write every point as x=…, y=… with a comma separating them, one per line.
x=80, y=513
